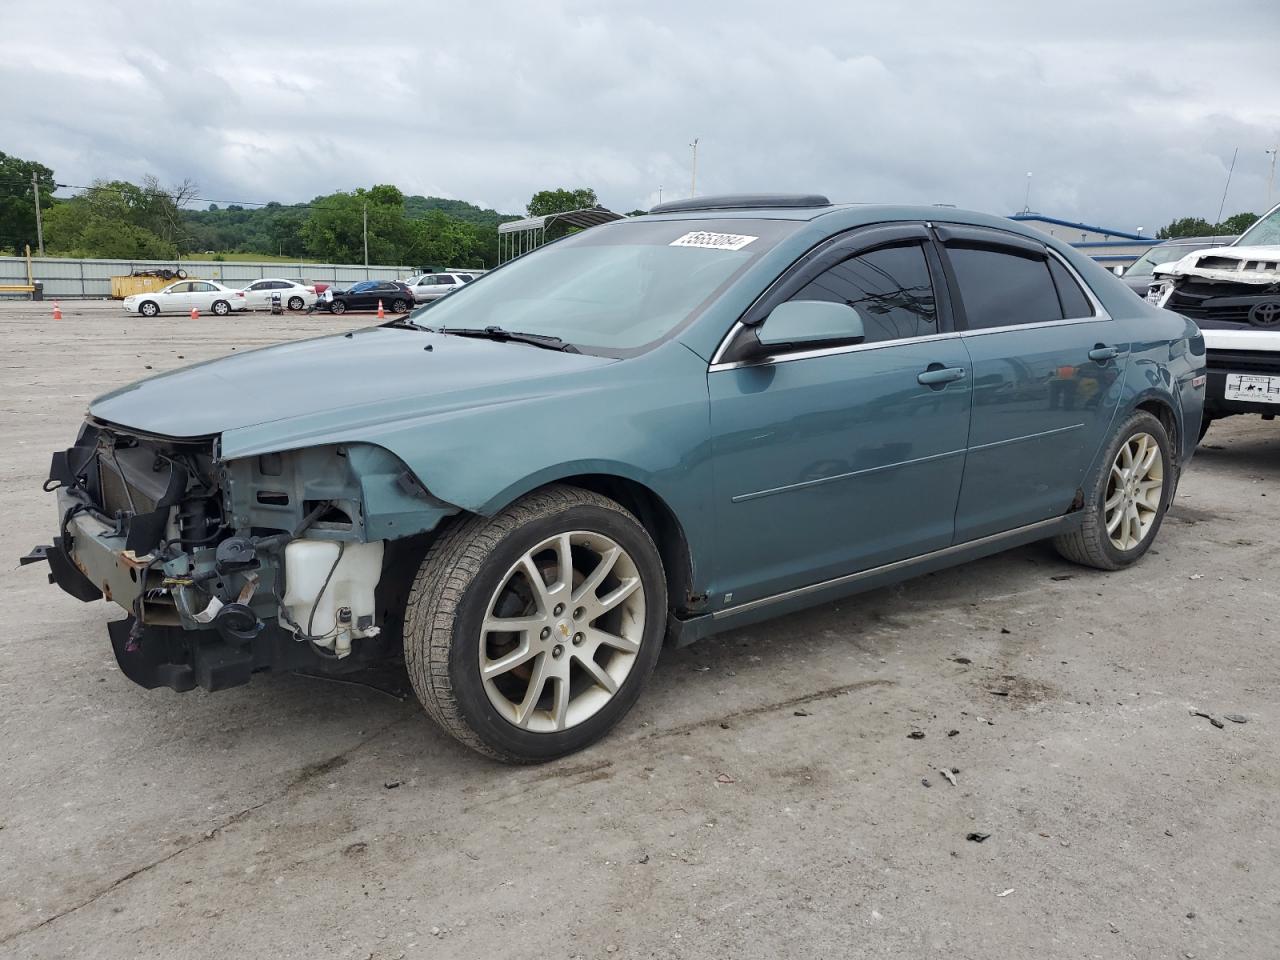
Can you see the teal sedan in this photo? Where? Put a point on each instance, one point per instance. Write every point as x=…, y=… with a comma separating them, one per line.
x=644, y=433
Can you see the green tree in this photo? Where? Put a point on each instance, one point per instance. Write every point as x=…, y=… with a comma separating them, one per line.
x=334, y=229
x=17, y=207
x=1238, y=223
x=1186, y=227
x=1199, y=227
x=546, y=202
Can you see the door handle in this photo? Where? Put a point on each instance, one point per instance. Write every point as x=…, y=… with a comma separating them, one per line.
x=938, y=376
x=1102, y=353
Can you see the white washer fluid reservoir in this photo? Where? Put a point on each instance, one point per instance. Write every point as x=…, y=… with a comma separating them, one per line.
x=334, y=615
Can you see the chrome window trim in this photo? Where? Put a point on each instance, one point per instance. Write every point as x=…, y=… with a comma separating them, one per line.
x=887, y=567
x=1100, y=315
x=816, y=352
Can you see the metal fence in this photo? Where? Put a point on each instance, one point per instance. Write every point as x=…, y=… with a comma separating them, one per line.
x=68, y=278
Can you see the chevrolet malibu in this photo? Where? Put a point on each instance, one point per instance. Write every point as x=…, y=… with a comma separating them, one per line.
x=646, y=432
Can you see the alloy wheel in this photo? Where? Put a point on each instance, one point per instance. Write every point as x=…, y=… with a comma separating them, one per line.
x=1134, y=491
x=562, y=631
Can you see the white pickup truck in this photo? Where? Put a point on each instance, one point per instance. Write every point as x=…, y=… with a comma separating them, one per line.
x=1233, y=295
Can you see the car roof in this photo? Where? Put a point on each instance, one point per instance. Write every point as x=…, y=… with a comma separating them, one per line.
x=832, y=217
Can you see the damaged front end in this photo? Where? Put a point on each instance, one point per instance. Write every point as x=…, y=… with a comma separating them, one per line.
x=1227, y=287
x=295, y=560
x=1233, y=295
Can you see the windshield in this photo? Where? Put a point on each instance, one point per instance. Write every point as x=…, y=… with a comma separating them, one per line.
x=1164, y=253
x=615, y=289
x=1264, y=233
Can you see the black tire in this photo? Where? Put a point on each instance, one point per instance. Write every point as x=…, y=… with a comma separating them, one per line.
x=149, y=308
x=181, y=274
x=399, y=306
x=337, y=307
x=1090, y=545
x=221, y=307
x=296, y=303
x=450, y=596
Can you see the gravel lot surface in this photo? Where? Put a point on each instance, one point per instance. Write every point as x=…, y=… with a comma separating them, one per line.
x=764, y=799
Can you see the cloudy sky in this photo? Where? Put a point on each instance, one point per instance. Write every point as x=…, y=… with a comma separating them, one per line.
x=1126, y=114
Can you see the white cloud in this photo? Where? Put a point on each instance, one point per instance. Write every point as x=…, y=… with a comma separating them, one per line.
x=1126, y=115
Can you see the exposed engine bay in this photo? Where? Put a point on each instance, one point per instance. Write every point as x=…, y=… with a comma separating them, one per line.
x=279, y=561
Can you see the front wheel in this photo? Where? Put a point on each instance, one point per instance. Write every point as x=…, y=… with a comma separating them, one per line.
x=529, y=635
x=221, y=307
x=149, y=309
x=337, y=307
x=1126, y=497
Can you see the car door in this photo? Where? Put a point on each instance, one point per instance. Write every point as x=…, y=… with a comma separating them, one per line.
x=176, y=298
x=257, y=294
x=1047, y=364
x=831, y=461
x=203, y=294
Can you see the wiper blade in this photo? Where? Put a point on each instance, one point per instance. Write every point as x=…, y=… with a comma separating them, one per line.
x=546, y=341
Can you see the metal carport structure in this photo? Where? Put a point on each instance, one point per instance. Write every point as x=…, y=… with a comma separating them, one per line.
x=520, y=236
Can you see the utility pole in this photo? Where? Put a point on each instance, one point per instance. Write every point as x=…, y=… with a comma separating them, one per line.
x=40, y=225
x=693, y=180
x=1271, y=180
x=366, y=235
x=660, y=191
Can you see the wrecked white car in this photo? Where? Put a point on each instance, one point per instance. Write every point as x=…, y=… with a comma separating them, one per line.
x=1233, y=295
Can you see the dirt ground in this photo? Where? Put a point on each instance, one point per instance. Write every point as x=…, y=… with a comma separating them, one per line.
x=303, y=818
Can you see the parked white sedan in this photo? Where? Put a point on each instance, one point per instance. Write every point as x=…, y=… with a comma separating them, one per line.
x=433, y=286
x=293, y=294
x=181, y=297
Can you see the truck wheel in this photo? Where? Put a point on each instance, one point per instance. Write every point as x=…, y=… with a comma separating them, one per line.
x=1125, y=499
x=528, y=635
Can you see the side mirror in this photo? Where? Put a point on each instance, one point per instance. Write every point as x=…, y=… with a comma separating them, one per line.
x=1118, y=271
x=799, y=323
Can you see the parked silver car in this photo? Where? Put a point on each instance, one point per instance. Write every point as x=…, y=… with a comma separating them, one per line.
x=433, y=286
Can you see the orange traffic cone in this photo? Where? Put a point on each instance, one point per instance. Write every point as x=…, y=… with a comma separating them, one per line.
x=381, y=315
x=57, y=311
x=195, y=313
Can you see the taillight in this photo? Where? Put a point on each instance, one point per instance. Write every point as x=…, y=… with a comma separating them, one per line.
x=239, y=293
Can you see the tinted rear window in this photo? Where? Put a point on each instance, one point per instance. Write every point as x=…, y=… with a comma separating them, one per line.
x=1002, y=289
x=1074, y=301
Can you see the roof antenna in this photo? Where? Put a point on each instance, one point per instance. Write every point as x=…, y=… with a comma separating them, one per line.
x=1228, y=186
x=1026, y=201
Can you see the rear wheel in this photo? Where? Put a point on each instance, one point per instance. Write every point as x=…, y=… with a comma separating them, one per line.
x=295, y=303
x=1126, y=498
x=221, y=307
x=399, y=306
x=529, y=635
x=149, y=308
x=337, y=307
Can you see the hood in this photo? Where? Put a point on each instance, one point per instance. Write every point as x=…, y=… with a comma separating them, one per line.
x=371, y=368
x=1259, y=265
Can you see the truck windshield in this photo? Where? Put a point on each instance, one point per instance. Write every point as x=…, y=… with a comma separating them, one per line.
x=1264, y=233
x=616, y=289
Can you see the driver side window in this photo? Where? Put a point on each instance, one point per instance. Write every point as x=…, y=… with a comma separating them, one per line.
x=890, y=287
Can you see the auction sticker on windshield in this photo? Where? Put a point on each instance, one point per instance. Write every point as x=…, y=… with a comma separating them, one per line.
x=713, y=241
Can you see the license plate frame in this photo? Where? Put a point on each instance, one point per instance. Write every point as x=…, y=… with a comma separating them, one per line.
x=1251, y=388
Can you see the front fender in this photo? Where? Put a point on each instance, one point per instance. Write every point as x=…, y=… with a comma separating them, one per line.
x=644, y=419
